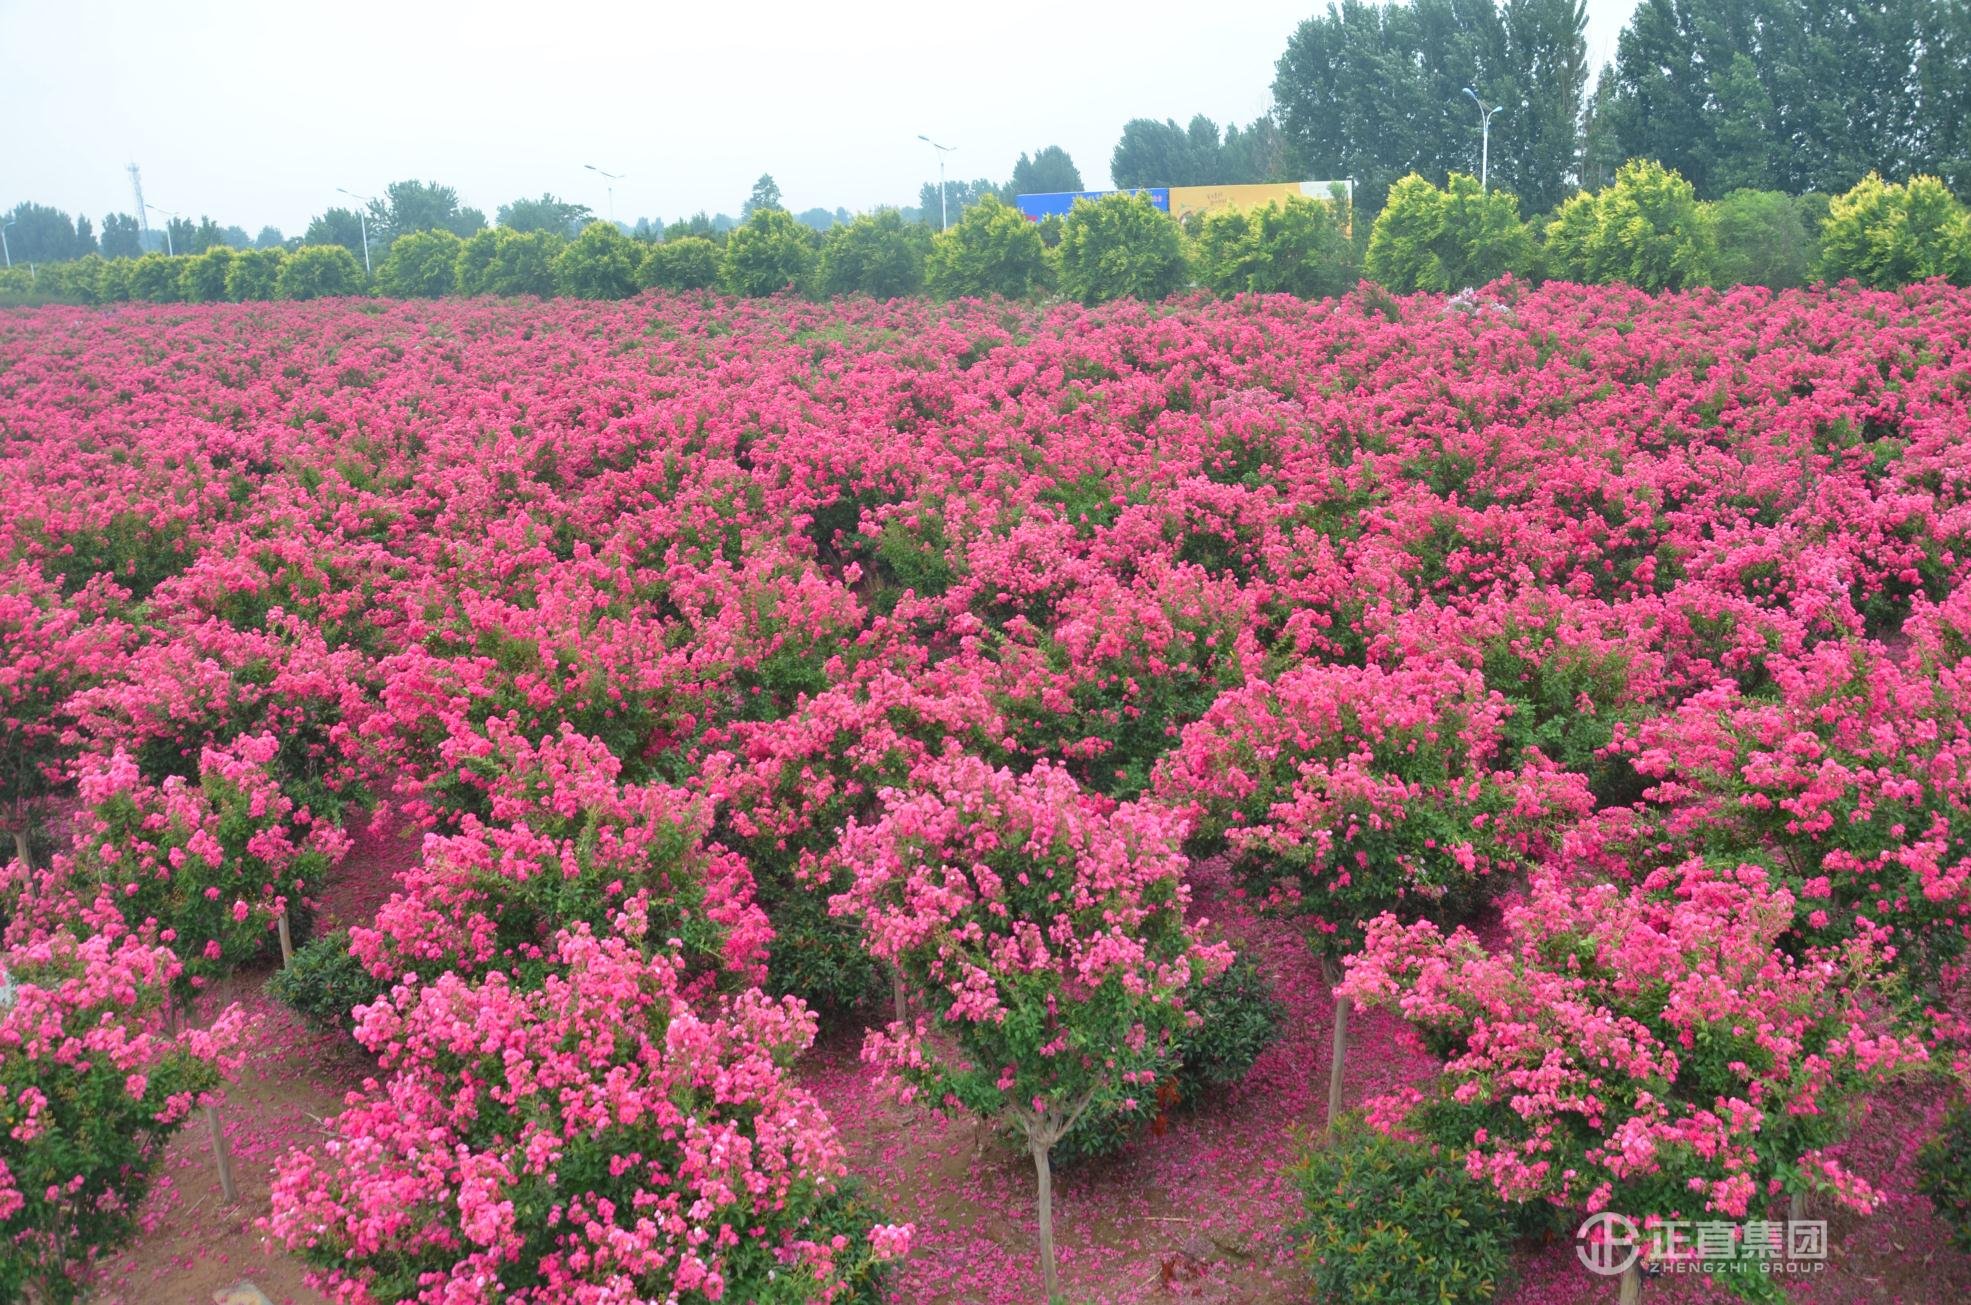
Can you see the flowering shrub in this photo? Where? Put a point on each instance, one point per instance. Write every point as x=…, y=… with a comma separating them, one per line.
x=211, y=867
x=1122, y=670
x=1850, y=780
x=569, y=844
x=787, y=789
x=1046, y=944
x=1344, y=792
x=185, y=691
x=1648, y=1051
x=51, y=650
x=92, y=1086
x=592, y=1139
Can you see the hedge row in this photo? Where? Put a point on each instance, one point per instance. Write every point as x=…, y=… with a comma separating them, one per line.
x=1646, y=229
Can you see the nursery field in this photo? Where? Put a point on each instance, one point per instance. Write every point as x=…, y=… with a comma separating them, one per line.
x=777, y=801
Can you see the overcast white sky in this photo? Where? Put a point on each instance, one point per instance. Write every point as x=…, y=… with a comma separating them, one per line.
x=256, y=112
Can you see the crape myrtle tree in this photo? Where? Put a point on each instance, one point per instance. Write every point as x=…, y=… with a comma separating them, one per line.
x=50, y=648
x=1345, y=793
x=595, y=1137
x=1657, y=1050
x=93, y=1084
x=1044, y=940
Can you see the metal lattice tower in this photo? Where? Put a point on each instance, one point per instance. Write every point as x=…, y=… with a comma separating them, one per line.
x=143, y=214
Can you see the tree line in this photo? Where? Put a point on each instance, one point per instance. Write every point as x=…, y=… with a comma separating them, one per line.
x=1647, y=228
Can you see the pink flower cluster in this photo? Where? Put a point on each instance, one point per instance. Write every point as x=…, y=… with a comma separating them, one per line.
x=1650, y=1050
x=597, y=1138
x=208, y=866
x=1043, y=937
x=93, y=1082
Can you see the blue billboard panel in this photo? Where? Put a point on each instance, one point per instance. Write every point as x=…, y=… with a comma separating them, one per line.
x=1057, y=203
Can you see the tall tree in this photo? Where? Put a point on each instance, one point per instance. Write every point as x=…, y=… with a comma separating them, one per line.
x=958, y=196
x=766, y=194
x=408, y=206
x=206, y=235
x=39, y=234
x=122, y=237
x=1536, y=135
x=180, y=236
x=1152, y=153
x=338, y=226
x=85, y=236
x=269, y=238
x=1374, y=91
x=1258, y=153
x=1798, y=94
x=1049, y=171
x=563, y=217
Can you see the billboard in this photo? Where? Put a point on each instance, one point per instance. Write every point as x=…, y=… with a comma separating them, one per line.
x=1186, y=200
x=1058, y=202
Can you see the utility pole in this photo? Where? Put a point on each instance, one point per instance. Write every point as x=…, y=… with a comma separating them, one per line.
x=944, y=218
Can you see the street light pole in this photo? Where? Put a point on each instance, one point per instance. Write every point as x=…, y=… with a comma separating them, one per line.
x=167, y=227
x=944, y=218
x=362, y=224
x=609, y=187
x=1484, y=137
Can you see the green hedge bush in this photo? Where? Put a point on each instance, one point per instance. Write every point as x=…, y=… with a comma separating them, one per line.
x=1390, y=1222
x=1118, y=247
x=990, y=250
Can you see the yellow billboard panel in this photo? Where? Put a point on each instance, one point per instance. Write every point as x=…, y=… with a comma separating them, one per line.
x=1186, y=200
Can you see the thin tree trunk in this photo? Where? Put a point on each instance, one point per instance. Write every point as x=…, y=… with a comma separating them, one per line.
x=23, y=852
x=1796, y=1207
x=1044, y=1176
x=1338, y=1052
x=287, y=943
x=897, y=996
x=1632, y=1285
x=222, y=1152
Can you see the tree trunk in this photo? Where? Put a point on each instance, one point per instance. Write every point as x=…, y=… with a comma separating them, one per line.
x=22, y=850
x=287, y=943
x=1044, y=1176
x=1796, y=1208
x=1632, y=1285
x=1338, y=1053
x=222, y=1153
x=897, y=996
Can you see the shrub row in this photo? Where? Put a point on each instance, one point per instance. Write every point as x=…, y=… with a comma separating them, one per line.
x=1646, y=229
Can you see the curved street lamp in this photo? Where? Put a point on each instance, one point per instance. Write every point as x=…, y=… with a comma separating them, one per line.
x=609, y=180
x=1484, y=137
x=167, y=226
